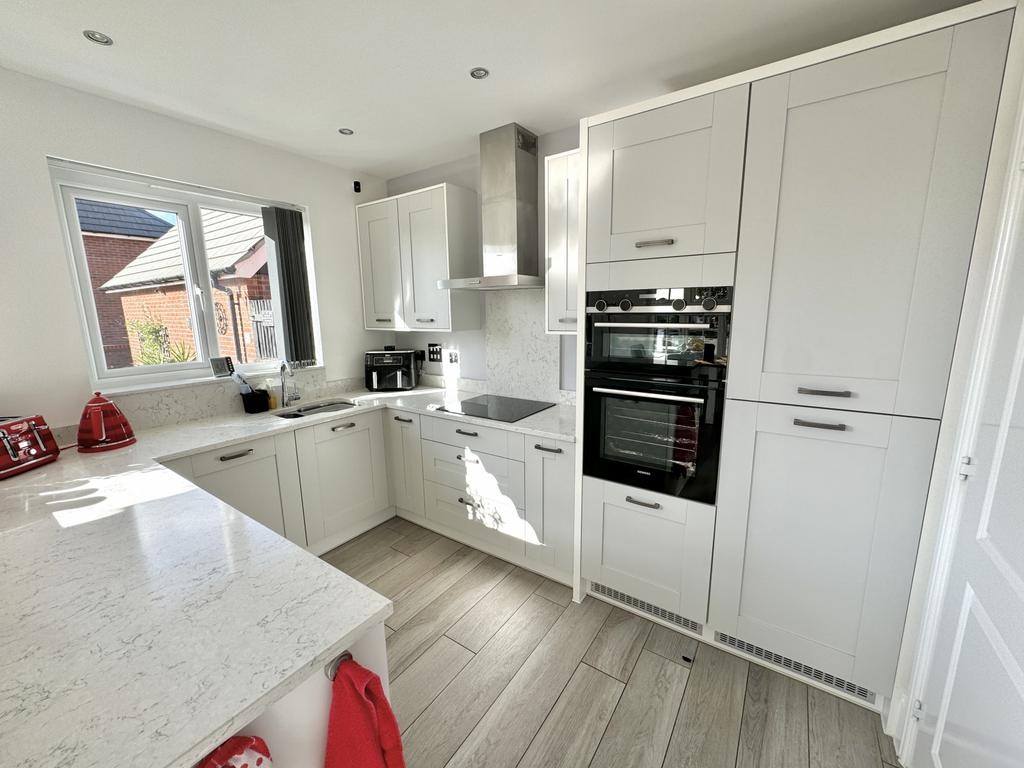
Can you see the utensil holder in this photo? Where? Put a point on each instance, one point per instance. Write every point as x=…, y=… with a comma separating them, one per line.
x=257, y=401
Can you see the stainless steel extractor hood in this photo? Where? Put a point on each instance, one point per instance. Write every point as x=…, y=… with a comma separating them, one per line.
x=508, y=212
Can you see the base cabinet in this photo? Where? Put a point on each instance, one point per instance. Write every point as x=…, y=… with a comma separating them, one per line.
x=259, y=478
x=342, y=467
x=550, y=467
x=652, y=547
x=818, y=532
x=405, y=460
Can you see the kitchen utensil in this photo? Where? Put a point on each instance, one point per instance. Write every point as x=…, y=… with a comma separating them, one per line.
x=103, y=427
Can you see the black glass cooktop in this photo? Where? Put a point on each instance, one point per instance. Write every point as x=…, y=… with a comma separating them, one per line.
x=498, y=408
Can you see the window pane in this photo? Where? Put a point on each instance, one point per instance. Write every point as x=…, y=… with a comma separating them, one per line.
x=137, y=275
x=244, y=312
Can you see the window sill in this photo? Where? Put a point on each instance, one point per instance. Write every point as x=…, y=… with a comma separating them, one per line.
x=198, y=381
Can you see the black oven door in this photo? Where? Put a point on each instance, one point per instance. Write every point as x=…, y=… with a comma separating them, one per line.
x=660, y=435
x=670, y=344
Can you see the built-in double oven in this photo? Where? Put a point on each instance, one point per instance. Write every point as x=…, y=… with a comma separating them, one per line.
x=654, y=389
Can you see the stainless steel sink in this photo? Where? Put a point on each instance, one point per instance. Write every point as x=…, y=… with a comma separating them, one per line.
x=324, y=407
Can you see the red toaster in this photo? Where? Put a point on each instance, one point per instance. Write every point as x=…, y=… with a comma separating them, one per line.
x=25, y=444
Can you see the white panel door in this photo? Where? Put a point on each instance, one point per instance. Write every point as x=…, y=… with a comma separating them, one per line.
x=819, y=517
x=405, y=460
x=549, y=504
x=423, y=234
x=379, y=264
x=667, y=182
x=342, y=467
x=861, y=194
x=972, y=713
x=561, y=233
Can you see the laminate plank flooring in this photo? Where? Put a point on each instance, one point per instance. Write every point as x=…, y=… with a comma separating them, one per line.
x=494, y=666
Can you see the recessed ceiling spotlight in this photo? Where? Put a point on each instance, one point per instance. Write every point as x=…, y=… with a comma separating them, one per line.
x=479, y=73
x=345, y=131
x=97, y=37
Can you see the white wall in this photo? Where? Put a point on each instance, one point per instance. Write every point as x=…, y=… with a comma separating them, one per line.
x=512, y=353
x=43, y=351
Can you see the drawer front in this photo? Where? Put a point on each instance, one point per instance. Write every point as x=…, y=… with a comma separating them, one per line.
x=335, y=428
x=232, y=456
x=481, y=475
x=848, y=394
x=492, y=440
x=496, y=523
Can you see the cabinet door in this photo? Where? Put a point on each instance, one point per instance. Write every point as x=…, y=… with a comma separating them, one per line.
x=667, y=182
x=653, y=547
x=405, y=460
x=561, y=233
x=861, y=195
x=423, y=236
x=379, y=264
x=550, y=468
x=819, y=516
x=344, y=480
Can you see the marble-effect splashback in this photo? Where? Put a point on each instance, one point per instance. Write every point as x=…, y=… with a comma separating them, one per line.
x=522, y=359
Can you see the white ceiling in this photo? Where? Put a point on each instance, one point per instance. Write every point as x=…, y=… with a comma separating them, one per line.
x=396, y=71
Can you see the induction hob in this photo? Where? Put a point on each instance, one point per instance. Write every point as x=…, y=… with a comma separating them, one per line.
x=497, y=407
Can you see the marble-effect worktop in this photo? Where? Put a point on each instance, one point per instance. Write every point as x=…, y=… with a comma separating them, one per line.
x=142, y=621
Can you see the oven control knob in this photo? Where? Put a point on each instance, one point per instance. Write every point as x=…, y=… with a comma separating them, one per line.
x=678, y=305
x=600, y=305
x=709, y=303
x=625, y=305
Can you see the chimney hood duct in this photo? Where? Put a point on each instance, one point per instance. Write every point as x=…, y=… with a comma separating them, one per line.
x=508, y=212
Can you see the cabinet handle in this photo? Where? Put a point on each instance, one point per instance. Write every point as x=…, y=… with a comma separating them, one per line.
x=347, y=425
x=462, y=458
x=467, y=434
x=540, y=447
x=233, y=456
x=819, y=425
x=383, y=319
x=567, y=319
x=404, y=421
x=648, y=504
x=824, y=392
x=468, y=503
x=425, y=320
x=649, y=243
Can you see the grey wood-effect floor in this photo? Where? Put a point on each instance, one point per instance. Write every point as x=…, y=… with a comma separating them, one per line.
x=493, y=666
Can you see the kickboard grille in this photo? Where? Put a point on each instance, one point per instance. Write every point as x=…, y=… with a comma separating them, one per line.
x=649, y=608
x=795, y=666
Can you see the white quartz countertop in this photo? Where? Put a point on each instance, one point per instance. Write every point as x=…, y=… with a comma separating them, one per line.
x=142, y=621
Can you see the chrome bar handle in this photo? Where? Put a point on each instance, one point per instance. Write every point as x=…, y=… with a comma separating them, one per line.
x=383, y=319
x=467, y=433
x=347, y=425
x=540, y=447
x=233, y=456
x=567, y=320
x=425, y=320
x=824, y=392
x=647, y=504
x=649, y=395
x=819, y=425
x=463, y=459
x=651, y=243
x=404, y=421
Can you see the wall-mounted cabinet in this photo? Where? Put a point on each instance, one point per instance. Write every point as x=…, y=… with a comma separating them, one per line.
x=861, y=195
x=667, y=182
x=409, y=242
x=561, y=237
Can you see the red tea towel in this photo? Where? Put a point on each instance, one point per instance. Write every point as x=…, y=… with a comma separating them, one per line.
x=362, y=731
x=239, y=752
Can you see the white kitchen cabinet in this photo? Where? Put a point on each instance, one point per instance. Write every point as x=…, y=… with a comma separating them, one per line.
x=259, y=478
x=561, y=237
x=817, y=534
x=648, y=546
x=550, y=480
x=342, y=467
x=405, y=460
x=406, y=244
x=477, y=475
x=667, y=182
x=861, y=194
x=380, y=264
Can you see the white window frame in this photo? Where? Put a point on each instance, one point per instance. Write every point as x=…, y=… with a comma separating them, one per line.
x=74, y=180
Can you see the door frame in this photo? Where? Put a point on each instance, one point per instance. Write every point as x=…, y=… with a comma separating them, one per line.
x=999, y=232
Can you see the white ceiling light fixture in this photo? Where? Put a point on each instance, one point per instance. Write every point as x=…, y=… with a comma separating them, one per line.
x=97, y=37
x=479, y=73
x=345, y=131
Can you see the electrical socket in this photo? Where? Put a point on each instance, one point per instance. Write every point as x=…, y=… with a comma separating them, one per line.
x=434, y=353
x=453, y=356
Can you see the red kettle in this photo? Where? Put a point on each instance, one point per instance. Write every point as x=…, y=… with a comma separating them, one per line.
x=103, y=427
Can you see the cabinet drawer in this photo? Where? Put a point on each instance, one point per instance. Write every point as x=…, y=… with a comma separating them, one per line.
x=481, y=475
x=497, y=442
x=654, y=547
x=494, y=522
x=232, y=456
x=853, y=394
x=335, y=428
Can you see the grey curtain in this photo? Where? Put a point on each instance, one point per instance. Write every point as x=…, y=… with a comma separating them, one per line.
x=284, y=228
